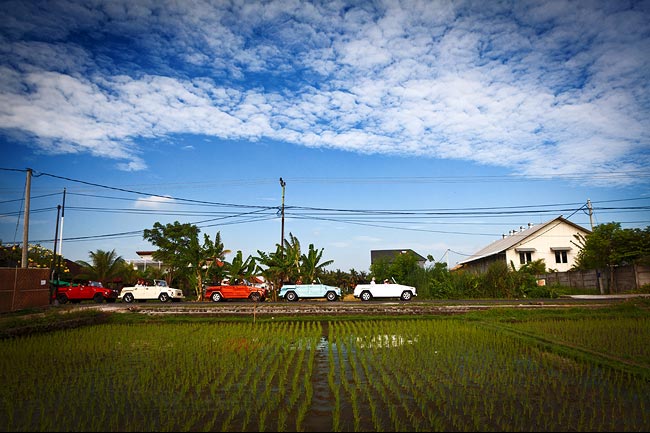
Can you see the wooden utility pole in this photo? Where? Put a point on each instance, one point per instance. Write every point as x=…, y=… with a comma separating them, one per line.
x=276, y=289
x=61, y=228
x=28, y=185
x=282, y=184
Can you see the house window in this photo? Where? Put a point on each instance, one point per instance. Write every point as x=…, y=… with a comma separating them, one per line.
x=561, y=257
x=525, y=257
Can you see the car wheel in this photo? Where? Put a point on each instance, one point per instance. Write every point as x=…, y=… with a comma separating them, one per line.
x=255, y=297
x=128, y=298
x=63, y=299
x=291, y=296
x=164, y=297
x=331, y=296
x=406, y=295
x=98, y=298
x=366, y=296
x=216, y=297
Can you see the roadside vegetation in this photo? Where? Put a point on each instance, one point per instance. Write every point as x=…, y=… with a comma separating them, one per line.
x=193, y=259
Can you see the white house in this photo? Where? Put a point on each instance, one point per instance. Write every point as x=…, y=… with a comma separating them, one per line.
x=145, y=261
x=553, y=241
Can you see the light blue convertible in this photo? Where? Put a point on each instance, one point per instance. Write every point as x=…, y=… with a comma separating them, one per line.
x=293, y=292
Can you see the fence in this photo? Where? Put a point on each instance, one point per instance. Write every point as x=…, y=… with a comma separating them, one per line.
x=629, y=278
x=22, y=288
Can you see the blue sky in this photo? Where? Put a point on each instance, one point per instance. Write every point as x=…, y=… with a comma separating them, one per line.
x=435, y=126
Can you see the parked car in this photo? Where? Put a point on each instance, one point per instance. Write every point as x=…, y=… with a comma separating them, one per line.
x=367, y=292
x=147, y=290
x=243, y=290
x=90, y=291
x=293, y=292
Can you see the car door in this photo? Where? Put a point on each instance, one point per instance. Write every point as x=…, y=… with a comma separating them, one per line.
x=76, y=292
x=143, y=292
x=317, y=290
x=384, y=290
x=229, y=291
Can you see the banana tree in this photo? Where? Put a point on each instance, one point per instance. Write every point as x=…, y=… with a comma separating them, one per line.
x=311, y=265
x=240, y=269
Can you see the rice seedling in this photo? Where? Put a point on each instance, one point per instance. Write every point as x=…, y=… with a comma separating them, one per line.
x=416, y=374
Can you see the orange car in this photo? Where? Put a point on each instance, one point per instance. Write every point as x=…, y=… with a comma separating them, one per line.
x=225, y=292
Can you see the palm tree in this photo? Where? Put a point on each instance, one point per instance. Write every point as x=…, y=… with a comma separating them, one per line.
x=105, y=266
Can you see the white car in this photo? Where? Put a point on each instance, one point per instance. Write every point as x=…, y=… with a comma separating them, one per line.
x=293, y=292
x=367, y=292
x=157, y=289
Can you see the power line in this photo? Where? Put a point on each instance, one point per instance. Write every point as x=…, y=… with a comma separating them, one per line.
x=368, y=217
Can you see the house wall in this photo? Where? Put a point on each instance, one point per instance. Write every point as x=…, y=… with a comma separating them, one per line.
x=481, y=266
x=557, y=235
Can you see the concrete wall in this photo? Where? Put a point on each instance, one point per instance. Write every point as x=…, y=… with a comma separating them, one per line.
x=626, y=279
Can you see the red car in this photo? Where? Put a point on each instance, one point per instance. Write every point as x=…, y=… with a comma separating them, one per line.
x=245, y=290
x=91, y=291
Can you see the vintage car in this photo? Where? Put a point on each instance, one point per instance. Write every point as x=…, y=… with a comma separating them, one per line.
x=90, y=291
x=293, y=292
x=367, y=292
x=241, y=290
x=147, y=290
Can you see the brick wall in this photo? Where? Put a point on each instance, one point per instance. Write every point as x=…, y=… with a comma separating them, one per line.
x=23, y=288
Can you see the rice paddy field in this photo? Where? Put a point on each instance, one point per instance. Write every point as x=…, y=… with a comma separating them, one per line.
x=506, y=370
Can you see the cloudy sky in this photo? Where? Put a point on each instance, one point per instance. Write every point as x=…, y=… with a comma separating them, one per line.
x=431, y=125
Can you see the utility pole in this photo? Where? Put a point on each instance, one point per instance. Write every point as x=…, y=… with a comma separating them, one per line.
x=61, y=228
x=28, y=186
x=54, y=272
x=591, y=214
x=275, y=291
x=282, y=184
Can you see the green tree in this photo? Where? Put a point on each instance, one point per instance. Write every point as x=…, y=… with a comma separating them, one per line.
x=287, y=263
x=207, y=262
x=185, y=257
x=273, y=267
x=104, y=266
x=175, y=243
x=292, y=256
x=608, y=246
x=311, y=265
x=404, y=268
x=240, y=269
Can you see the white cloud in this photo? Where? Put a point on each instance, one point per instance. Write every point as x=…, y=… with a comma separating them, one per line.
x=153, y=202
x=555, y=81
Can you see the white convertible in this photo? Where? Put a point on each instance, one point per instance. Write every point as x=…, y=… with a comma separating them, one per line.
x=146, y=291
x=293, y=292
x=367, y=292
